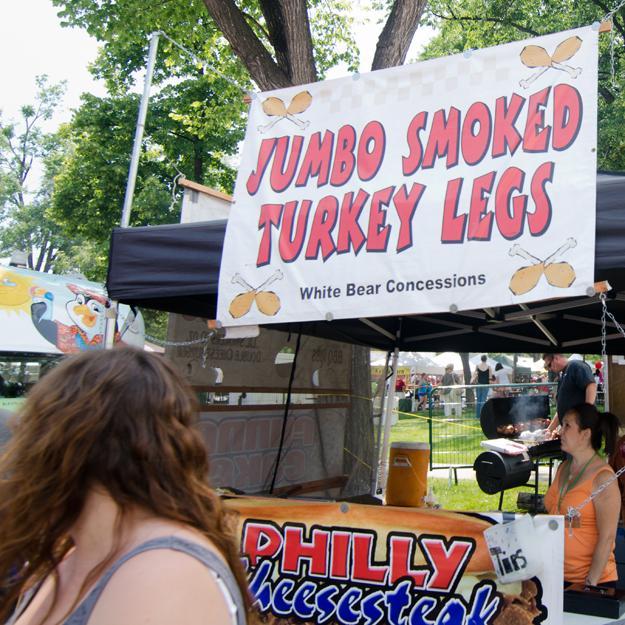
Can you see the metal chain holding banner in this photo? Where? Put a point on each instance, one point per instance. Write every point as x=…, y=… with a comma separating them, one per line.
x=205, y=340
x=574, y=512
x=608, y=18
x=174, y=188
x=606, y=313
x=205, y=64
x=604, y=357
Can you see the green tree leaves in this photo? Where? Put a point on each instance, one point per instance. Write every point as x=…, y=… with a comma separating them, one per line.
x=24, y=219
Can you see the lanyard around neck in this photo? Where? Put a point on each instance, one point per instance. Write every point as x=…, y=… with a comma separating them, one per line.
x=565, y=487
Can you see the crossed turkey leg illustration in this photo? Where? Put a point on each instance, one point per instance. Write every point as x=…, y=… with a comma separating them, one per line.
x=537, y=57
x=275, y=107
x=268, y=302
x=560, y=274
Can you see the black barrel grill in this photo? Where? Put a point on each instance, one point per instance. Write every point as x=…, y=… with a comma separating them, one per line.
x=507, y=417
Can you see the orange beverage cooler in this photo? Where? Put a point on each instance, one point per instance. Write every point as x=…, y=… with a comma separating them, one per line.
x=407, y=474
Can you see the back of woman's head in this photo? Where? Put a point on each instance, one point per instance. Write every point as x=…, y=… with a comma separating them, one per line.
x=498, y=367
x=603, y=426
x=121, y=419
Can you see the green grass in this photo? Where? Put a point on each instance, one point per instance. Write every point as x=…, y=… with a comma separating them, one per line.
x=466, y=496
x=455, y=442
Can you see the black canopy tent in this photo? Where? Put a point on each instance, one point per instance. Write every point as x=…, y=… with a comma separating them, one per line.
x=175, y=268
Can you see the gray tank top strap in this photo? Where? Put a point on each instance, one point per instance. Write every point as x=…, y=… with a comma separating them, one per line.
x=212, y=561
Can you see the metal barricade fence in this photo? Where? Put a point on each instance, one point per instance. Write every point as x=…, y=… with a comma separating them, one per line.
x=450, y=422
x=454, y=429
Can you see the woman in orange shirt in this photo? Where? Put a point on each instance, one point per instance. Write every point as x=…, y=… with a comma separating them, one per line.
x=589, y=538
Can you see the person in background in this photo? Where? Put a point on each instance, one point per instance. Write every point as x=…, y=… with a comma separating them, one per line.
x=576, y=385
x=104, y=498
x=501, y=377
x=400, y=385
x=423, y=389
x=481, y=376
x=588, y=541
x=598, y=374
x=451, y=396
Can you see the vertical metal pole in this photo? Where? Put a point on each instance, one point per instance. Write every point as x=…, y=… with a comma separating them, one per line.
x=111, y=317
x=136, y=148
x=430, y=436
x=388, y=419
x=378, y=436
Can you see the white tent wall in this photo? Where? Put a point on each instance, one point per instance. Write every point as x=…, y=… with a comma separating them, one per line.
x=416, y=362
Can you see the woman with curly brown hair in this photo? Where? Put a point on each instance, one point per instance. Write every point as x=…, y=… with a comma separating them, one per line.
x=104, y=498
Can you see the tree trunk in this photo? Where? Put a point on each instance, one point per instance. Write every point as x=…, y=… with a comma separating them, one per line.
x=398, y=33
x=359, y=435
x=198, y=164
x=40, y=256
x=298, y=42
x=289, y=33
x=262, y=68
x=50, y=256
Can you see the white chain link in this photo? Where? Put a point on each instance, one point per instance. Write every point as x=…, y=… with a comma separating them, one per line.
x=574, y=512
x=174, y=188
x=608, y=17
x=206, y=64
x=204, y=340
x=163, y=343
x=605, y=312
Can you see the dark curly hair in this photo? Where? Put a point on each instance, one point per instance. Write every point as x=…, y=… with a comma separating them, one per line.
x=123, y=419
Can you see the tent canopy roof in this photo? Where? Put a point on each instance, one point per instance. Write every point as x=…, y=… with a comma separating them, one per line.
x=175, y=268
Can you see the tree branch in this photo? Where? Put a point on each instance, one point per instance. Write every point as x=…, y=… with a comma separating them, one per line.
x=182, y=136
x=50, y=257
x=496, y=20
x=607, y=95
x=274, y=18
x=246, y=45
x=42, y=253
x=252, y=20
x=397, y=34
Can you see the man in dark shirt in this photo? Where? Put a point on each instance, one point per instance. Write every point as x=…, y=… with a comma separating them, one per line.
x=576, y=384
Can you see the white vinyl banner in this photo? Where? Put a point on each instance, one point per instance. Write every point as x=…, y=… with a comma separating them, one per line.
x=465, y=181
